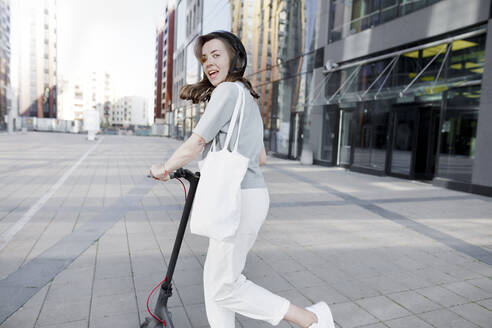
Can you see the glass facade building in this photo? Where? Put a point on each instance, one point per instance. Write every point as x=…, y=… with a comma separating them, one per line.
x=280, y=39
x=388, y=99
x=405, y=106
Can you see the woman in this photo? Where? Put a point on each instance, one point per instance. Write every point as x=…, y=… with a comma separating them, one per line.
x=226, y=290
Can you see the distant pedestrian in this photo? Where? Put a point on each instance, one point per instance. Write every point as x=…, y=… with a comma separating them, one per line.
x=226, y=290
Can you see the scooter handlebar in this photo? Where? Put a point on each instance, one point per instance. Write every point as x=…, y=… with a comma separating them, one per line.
x=179, y=173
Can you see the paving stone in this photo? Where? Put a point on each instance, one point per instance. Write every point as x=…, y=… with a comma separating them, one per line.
x=63, y=312
x=114, y=304
x=407, y=322
x=383, y=308
x=188, y=277
x=274, y=283
x=410, y=280
x=384, y=284
x=197, y=315
x=251, y=323
x=303, y=279
x=286, y=266
x=116, y=286
x=460, y=273
x=296, y=297
x=349, y=315
x=467, y=290
x=71, y=275
x=414, y=302
x=24, y=317
x=330, y=273
x=474, y=313
x=70, y=292
x=446, y=318
x=118, y=269
x=324, y=293
x=483, y=283
x=355, y=290
x=121, y=320
x=192, y=294
x=435, y=276
x=442, y=296
x=486, y=303
x=73, y=324
x=375, y=325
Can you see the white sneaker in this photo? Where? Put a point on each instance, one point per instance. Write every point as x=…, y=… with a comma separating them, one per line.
x=323, y=313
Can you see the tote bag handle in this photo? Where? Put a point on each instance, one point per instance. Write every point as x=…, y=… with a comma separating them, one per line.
x=238, y=110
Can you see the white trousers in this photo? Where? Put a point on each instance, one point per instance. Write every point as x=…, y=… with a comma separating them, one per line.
x=226, y=290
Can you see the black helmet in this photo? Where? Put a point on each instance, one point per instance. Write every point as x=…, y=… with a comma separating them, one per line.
x=236, y=44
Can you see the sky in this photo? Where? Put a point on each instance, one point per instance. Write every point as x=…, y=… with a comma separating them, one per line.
x=116, y=36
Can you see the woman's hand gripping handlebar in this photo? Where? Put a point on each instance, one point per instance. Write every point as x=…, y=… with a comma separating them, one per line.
x=192, y=178
x=158, y=172
x=179, y=173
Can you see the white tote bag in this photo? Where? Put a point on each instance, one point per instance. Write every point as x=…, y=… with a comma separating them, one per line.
x=216, y=208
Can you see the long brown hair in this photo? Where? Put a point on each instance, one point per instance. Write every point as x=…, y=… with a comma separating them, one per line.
x=201, y=91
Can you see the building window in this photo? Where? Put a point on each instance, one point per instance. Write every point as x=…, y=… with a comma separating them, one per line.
x=366, y=14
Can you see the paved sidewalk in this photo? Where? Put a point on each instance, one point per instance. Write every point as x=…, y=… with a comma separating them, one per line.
x=84, y=237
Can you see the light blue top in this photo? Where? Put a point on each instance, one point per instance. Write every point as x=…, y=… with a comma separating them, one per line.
x=215, y=122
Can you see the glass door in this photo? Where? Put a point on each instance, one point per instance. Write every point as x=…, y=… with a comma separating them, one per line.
x=345, y=144
x=329, y=143
x=414, y=140
x=403, y=141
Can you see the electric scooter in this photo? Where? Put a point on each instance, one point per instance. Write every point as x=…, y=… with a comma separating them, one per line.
x=161, y=315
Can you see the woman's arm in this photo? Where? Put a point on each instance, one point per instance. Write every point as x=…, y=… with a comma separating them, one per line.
x=263, y=157
x=182, y=156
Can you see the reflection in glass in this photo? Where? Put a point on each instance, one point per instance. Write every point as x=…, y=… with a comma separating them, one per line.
x=345, y=139
x=458, y=133
x=389, y=10
x=330, y=130
x=279, y=37
x=285, y=92
x=365, y=14
x=181, y=32
x=216, y=15
x=467, y=58
x=403, y=136
x=337, y=8
x=409, y=6
x=370, y=135
x=192, y=65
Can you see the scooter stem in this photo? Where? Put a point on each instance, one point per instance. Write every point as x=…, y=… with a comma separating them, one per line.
x=166, y=287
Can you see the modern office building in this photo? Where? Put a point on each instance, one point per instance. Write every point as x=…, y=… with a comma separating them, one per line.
x=38, y=58
x=279, y=37
x=400, y=92
x=5, y=101
x=186, y=69
x=158, y=110
x=164, y=66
